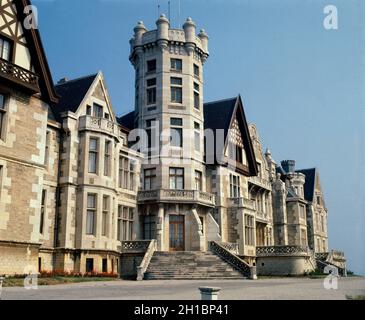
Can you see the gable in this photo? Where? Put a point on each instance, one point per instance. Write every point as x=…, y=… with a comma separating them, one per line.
x=26, y=54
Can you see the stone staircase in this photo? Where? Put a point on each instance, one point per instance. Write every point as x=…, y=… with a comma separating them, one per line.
x=189, y=265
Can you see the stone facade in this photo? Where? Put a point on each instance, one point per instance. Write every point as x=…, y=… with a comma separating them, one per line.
x=75, y=194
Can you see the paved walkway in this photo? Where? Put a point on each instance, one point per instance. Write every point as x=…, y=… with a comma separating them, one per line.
x=284, y=288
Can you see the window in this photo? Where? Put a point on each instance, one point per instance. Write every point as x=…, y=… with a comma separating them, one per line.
x=319, y=200
x=88, y=110
x=196, y=100
x=176, y=132
x=302, y=211
x=176, y=65
x=104, y=225
x=176, y=90
x=149, y=227
x=303, y=237
x=126, y=173
x=46, y=153
x=90, y=214
x=125, y=223
x=98, y=111
x=151, y=91
x=151, y=66
x=89, y=265
x=322, y=223
x=198, y=181
x=107, y=156
x=2, y=115
x=150, y=179
x=43, y=208
x=249, y=230
x=259, y=169
x=150, y=125
x=239, y=152
x=197, y=136
x=5, y=49
x=93, y=155
x=235, y=189
x=105, y=265
x=196, y=71
x=176, y=178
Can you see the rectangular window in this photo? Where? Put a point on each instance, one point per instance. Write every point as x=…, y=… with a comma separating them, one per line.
x=90, y=214
x=46, y=153
x=176, y=132
x=5, y=49
x=197, y=136
x=318, y=200
x=125, y=223
x=176, y=90
x=151, y=65
x=106, y=206
x=239, y=153
x=98, y=111
x=235, y=189
x=198, y=181
x=176, y=65
x=249, y=230
x=105, y=265
x=149, y=227
x=151, y=91
x=2, y=115
x=93, y=155
x=43, y=209
x=303, y=237
x=302, y=211
x=150, y=179
x=107, y=157
x=196, y=71
x=89, y=265
x=88, y=110
x=177, y=178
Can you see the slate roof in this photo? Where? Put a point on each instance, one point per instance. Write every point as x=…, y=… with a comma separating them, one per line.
x=127, y=120
x=218, y=114
x=71, y=94
x=309, y=186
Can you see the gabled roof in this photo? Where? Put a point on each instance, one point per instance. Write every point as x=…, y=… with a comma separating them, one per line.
x=220, y=115
x=38, y=55
x=127, y=121
x=71, y=94
x=309, y=186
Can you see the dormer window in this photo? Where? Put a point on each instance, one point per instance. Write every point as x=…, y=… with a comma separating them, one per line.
x=98, y=111
x=5, y=49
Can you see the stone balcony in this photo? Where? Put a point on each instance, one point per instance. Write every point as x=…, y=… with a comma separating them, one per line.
x=242, y=203
x=262, y=183
x=19, y=76
x=177, y=196
x=98, y=125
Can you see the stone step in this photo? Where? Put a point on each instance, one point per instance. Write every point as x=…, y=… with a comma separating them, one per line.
x=190, y=265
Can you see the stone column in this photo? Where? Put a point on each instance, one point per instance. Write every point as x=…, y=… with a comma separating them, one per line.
x=209, y=293
x=160, y=227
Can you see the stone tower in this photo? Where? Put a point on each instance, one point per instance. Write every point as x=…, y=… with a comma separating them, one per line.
x=169, y=106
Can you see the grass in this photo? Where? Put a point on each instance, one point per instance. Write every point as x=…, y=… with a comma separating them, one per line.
x=19, y=282
x=348, y=297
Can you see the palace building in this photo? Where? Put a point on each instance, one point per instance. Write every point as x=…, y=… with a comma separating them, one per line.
x=198, y=198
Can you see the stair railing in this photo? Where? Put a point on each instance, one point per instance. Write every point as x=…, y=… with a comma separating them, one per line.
x=141, y=269
x=232, y=259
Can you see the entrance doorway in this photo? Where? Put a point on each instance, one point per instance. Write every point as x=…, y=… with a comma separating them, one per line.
x=177, y=233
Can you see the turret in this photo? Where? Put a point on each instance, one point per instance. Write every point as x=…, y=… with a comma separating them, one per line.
x=163, y=25
x=189, y=29
x=203, y=36
x=139, y=31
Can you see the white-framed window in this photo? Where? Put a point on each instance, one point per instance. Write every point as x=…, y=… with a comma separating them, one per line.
x=176, y=65
x=5, y=49
x=196, y=96
x=197, y=136
x=235, y=188
x=127, y=172
x=125, y=223
x=105, y=216
x=198, y=180
x=107, y=157
x=176, y=132
x=176, y=178
x=91, y=214
x=249, y=230
x=93, y=155
x=176, y=90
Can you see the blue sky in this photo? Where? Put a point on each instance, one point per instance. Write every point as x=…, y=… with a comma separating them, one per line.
x=302, y=85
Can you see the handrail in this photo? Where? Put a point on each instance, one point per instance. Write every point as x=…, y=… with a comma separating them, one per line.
x=141, y=269
x=235, y=261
